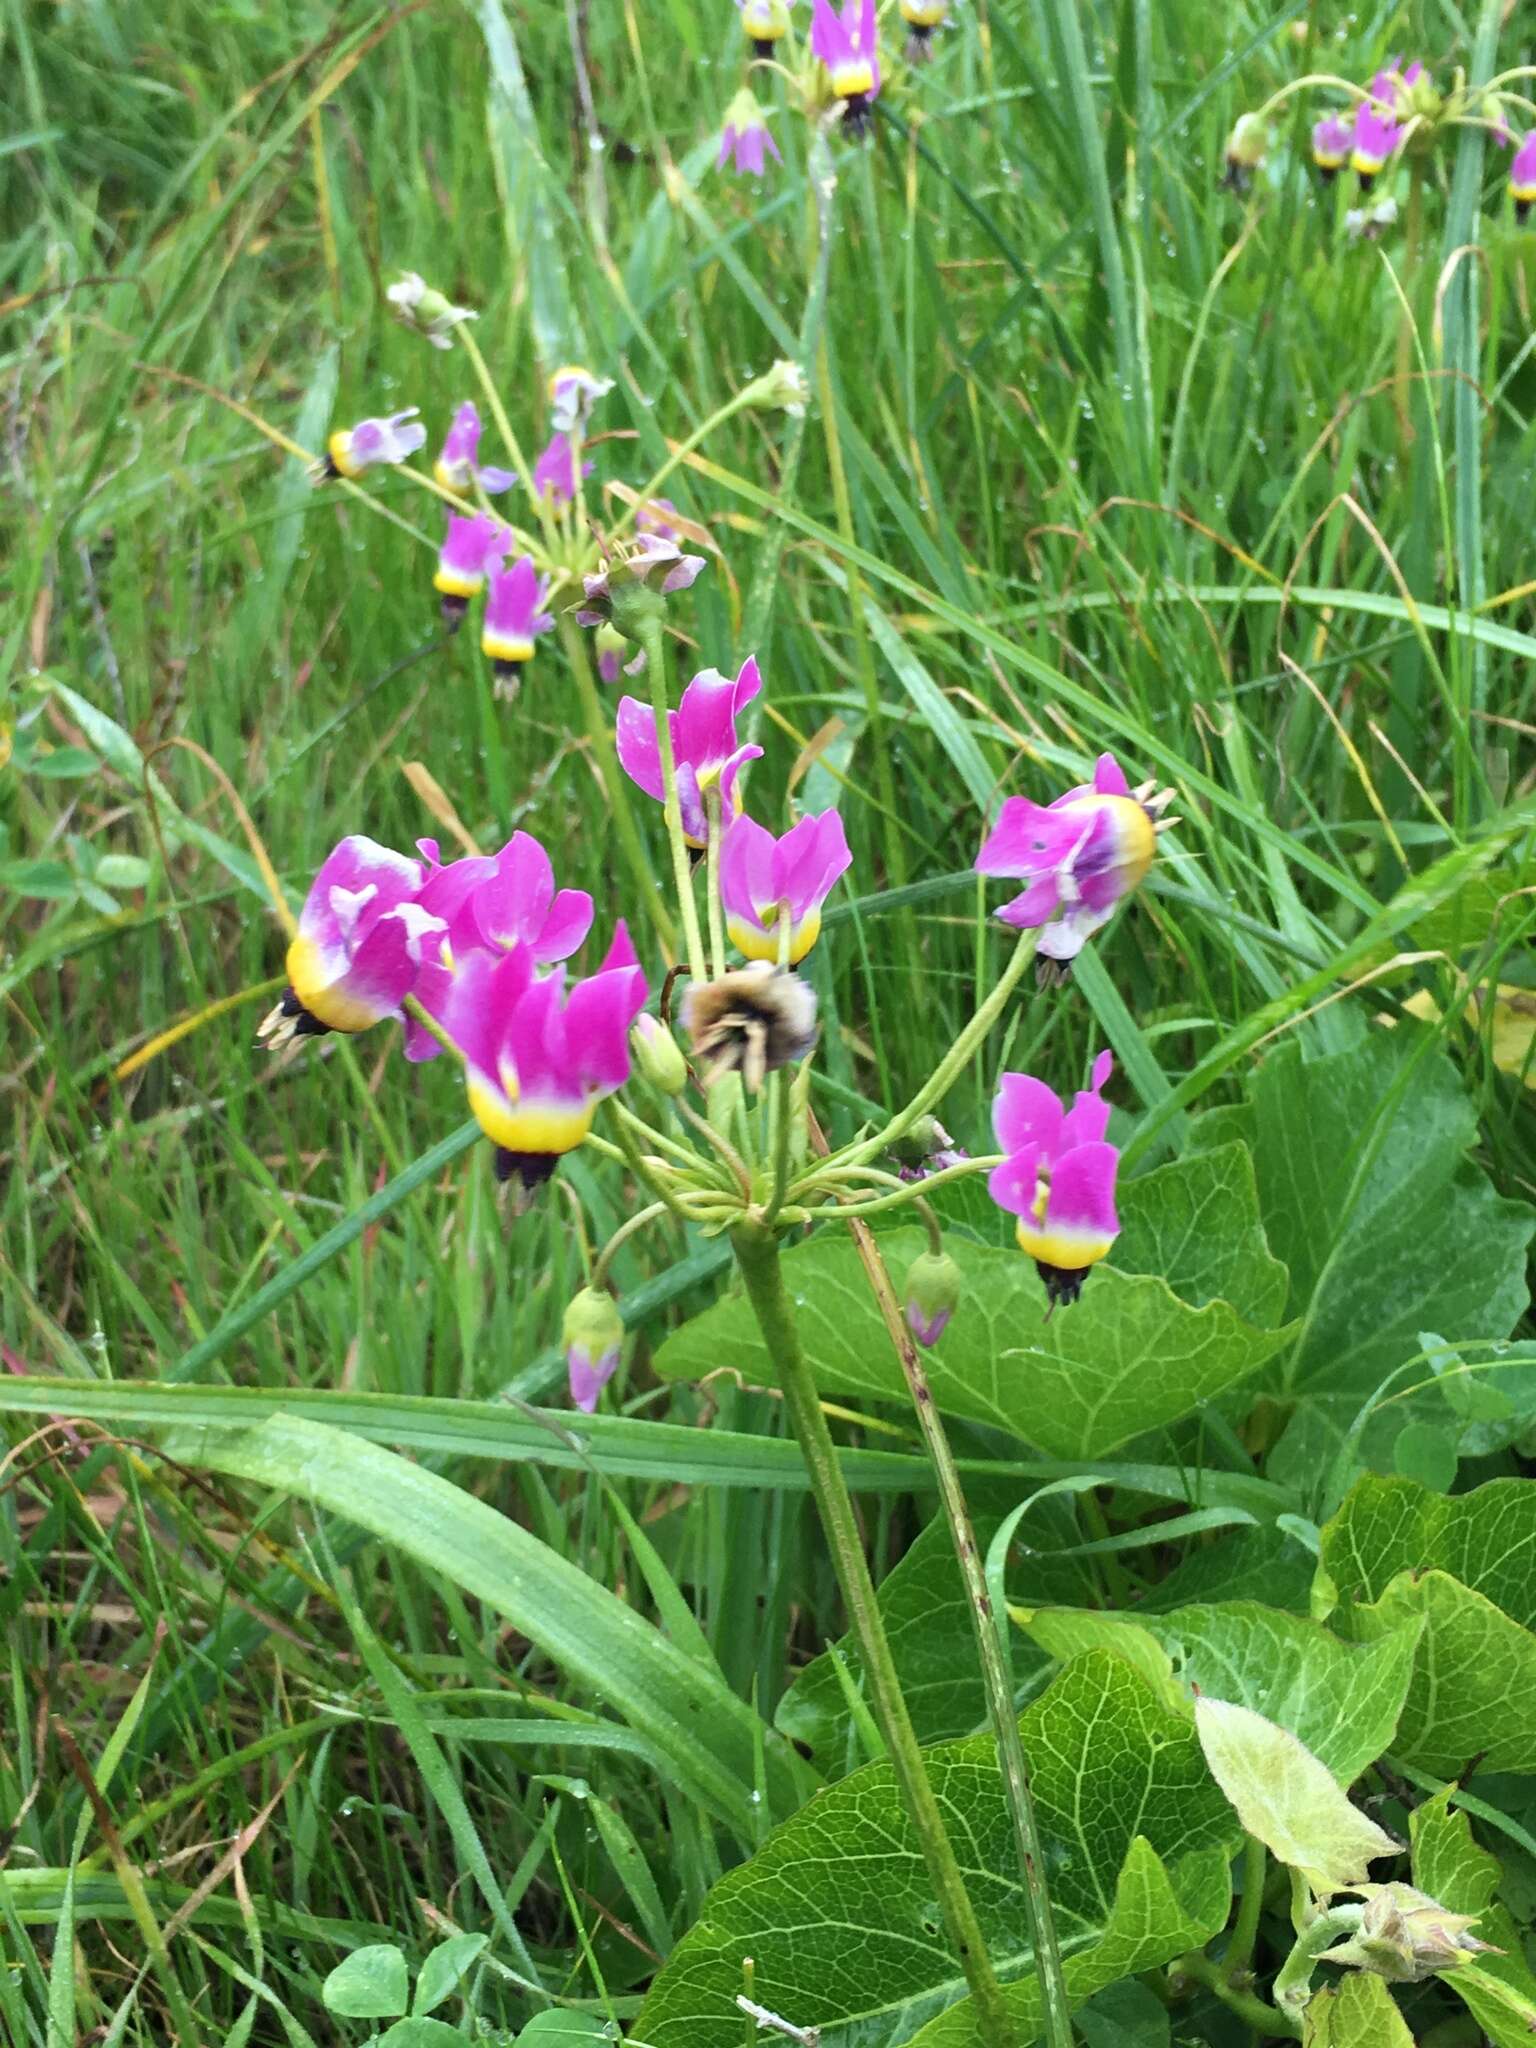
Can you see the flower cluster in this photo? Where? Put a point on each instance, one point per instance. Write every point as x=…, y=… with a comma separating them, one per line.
x=1400, y=110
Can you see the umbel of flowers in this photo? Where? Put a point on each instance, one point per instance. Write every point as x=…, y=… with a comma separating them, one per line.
x=1401, y=112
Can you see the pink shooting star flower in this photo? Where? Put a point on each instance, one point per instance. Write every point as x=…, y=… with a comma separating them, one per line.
x=554, y=474
x=765, y=881
x=1376, y=136
x=456, y=468
x=491, y=903
x=1058, y=1177
x=514, y=618
x=1332, y=138
x=351, y=450
x=765, y=23
x=539, y=1058
x=704, y=747
x=1081, y=855
x=1394, y=89
x=846, y=43
x=359, y=948
x=745, y=137
x=1522, y=177
x=472, y=548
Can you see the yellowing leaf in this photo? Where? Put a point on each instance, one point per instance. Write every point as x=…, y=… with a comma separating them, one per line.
x=1360, y=2013
x=1286, y=1797
x=1512, y=1029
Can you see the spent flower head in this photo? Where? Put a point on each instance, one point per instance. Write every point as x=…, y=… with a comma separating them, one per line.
x=627, y=588
x=422, y=307
x=749, y=1022
x=783, y=388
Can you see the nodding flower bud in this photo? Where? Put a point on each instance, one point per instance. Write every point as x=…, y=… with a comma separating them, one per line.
x=780, y=389
x=658, y=1056
x=592, y=1333
x=429, y=311
x=932, y=1295
x=1247, y=147
x=917, y=1146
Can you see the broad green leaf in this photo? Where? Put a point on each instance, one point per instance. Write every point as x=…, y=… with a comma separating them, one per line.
x=1357, y=2012
x=370, y=1984
x=711, y=1739
x=1369, y=1199
x=557, y=2027
x=1286, y=1797
x=420, y=2033
x=1196, y=1222
x=927, y=1618
x=444, y=1970
x=1126, y=2015
x=1485, y=1538
x=1126, y=1358
x=1267, y=1564
x=1124, y=1803
x=1499, y=1990
x=1342, y=1700
x=1473, y=1694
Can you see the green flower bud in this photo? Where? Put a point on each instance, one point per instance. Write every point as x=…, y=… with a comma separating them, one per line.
x=658, y=1056
x=932, y=1295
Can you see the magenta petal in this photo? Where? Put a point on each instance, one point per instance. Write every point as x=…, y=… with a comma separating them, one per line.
x=734, y=763
x=811, y=857
x=621, y=950
x=1025, y=1113
x=1103, y=1067
x=356, y=864
x=512, y=905
x=494, y=481
x=568, y=922
x=828, y=41
x=747, y=886
x=635, y=736
x=598, y=1016
x=1109, y=777
x=683, y=574
x=384, y=968
x=1083, y=1191
x=1086, y=1121
x=727, y=144
x=1015, y=1183
x=1026, y=838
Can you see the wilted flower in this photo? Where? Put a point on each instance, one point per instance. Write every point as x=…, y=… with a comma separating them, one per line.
x=554, y=474
x=471, y=549
x=456, y=469
x=781, y=389
x=491, y=903
x=427, y=310
x=1370, y=223
x=1058, y=1177
x=351, y=450
x=765, y=22
x=846, y=44
x=1522, y=176
x=1332, y=137
x=1405, y=1936
x=922, y=18
x=591, y=1333
x=749, y=1022
x=765, y=881
x=539, y=1059
x=932, y=1295
x=704, y=747
x=514, y=618
x=358, y=950
x=621, y=592
x=1247, y=146
x=658, y=1056
x=611, y=649
x=926, y=1148
x=573, y=392
x=745, y=136
x=1403, y=92
x=1376, y=137
x=1082, y=854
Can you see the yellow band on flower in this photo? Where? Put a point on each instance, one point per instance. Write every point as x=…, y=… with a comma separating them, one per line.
x=454, y=584
x=1070, y=1250
x=505, y=647
x=314, y=986
x=529, y=1126
x=339, y=449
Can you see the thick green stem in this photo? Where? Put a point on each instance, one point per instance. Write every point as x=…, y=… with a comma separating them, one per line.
x=600, y=735
x=1293, y=1984
x=682, y=872
x=1239, y=1955
x=1264, y=2019
x=757, y=1253
x=952, y=1065
x=1001, y=1710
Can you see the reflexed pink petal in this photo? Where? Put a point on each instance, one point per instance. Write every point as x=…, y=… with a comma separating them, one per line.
x=385, y=966
x=1027, y=1115
x=568, y=922
x=639, y=754
x=1103, y=1067
x=683, y=574
x=747, y=870
x=728, y=140
x=621, y=950
x=1109, y=777
x=493, y=480
x=512, y=903
x=1083, y=1191
x=1015, y=1183
x=356, y=863
x=1039, y=902
x=598, y=1017
x=828, y=40
x=1088, y=1118
x=1027, y=838
x=812, y=856
x=730, y=802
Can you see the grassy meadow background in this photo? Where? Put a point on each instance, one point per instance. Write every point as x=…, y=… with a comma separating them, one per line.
x=1101, y=456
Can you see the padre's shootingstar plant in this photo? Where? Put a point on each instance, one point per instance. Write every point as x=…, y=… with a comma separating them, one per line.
x=716, y=1132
